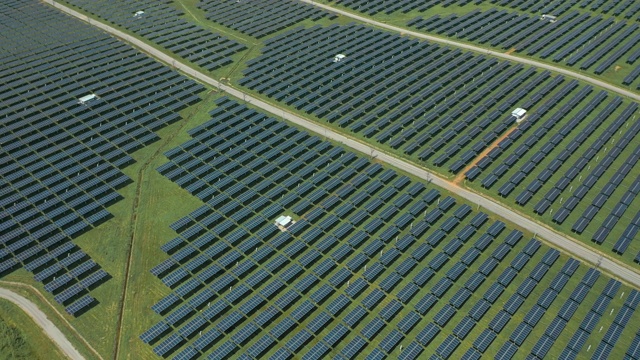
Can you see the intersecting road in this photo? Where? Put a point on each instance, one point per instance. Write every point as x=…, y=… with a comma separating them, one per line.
x=592, y=256
x=519, y=59
x=43, y=321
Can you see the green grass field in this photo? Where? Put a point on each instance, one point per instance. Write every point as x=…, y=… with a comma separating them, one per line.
x=21, y=338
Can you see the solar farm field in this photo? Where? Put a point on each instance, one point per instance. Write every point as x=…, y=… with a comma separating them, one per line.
x=260, y=19
x=576, y=173
x=162, y=24
x=627, y=9
x=598, y=37
x=372, y=264
x=451, y=111
x=163, y=219
x=76, y=104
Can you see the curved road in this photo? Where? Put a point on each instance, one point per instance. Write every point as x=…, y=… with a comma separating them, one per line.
x=542, y=65
x=603, y=261
x=43, y=321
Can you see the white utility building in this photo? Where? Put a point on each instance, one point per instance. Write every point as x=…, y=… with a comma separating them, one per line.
x=519, y=114
x=87, y=98
x=549, y=18
x=283, y=221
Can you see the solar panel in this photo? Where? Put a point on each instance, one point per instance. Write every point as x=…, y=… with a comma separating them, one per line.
x=168, y=345
x=391, y=341
x=318, y=351
x=261, y=346
x=298, y=341
x=534, y=315
x=354, y=347
x=338, y=304
x=154, y=332
x=389, y=283
x=229, y=322
x=245, y=334
x=319, y=322
x=80, y=305
x=282, y=328
x=336, y=335
x=223, y=350
x=408, y=322
x=484, y=340
x=341, y=276
x=302, y=311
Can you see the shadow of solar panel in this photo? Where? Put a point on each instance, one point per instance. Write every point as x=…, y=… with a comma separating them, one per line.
x=80, y=305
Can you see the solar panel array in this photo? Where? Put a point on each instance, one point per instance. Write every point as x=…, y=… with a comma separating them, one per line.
x=61, y=159
x=578, y=39
x=590, y=321
x=627, y=9
x=260, y=18
x=390, y=6
x=162, y=23
x=565, y=172
x=432, y=102
x=375, y=265
x=545, y=300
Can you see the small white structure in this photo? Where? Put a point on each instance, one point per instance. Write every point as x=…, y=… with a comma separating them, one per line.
x=549, y=18
x=283, y=222
x=519, y=114
x=138, y=14
x=87, y=98
x=339, y=58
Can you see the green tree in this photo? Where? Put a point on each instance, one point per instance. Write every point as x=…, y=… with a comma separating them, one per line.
x=12, y=343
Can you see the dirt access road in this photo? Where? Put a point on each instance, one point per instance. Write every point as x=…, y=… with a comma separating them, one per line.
x=43, y=321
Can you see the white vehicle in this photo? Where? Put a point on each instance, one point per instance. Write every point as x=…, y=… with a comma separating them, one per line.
x=339, y=58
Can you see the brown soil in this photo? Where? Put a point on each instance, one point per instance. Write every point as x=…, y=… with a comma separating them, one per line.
x=458, y=179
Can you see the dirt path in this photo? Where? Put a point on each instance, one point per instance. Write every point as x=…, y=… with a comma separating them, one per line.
x=53, y=308
x=41, y=319
x=460, y=177
x=133, y=225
